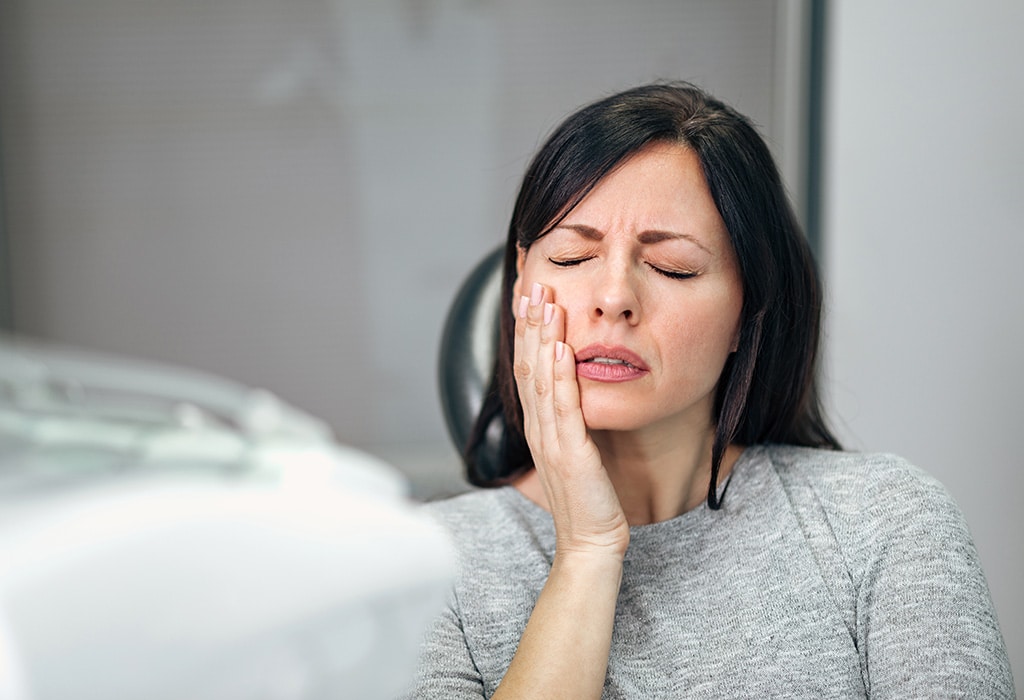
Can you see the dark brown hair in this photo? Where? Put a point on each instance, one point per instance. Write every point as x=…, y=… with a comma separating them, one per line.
x=767, y=391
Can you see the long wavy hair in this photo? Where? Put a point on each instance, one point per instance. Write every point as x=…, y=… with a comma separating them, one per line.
x=767, y=391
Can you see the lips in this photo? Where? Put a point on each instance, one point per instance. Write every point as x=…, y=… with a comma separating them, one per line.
x=605, y=363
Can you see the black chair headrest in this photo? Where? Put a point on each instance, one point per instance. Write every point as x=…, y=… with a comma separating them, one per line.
x=469, y=345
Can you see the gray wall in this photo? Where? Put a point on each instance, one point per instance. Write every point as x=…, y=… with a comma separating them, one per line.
x=924, y=233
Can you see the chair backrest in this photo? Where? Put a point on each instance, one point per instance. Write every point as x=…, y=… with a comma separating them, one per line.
x=469, y=346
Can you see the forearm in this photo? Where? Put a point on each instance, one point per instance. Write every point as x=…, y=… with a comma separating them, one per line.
x=564, y=650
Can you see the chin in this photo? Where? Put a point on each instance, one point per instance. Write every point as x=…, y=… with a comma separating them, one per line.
x=603, y=415
x=621, y=412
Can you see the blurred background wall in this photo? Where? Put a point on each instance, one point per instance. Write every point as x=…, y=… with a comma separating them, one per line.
x=289, y=193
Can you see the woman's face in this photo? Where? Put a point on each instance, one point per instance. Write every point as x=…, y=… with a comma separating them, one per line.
x=648, y=278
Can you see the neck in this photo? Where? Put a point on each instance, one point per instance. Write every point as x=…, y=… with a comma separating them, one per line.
x=656, y=476
x=660, y=477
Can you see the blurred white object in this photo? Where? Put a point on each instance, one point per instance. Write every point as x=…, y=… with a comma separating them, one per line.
x=169, y=535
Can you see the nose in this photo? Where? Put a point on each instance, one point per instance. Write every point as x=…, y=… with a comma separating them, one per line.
x=615, y=296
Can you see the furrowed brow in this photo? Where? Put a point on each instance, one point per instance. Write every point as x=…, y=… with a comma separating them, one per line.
x=588, y=232
x=652, y=237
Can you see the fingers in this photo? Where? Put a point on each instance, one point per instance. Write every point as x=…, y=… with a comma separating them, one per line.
x=532, y=348
x=568, y=415
x=546, y=376
x=579, y=492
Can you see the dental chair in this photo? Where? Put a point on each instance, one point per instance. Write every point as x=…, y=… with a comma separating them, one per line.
x=469, y=344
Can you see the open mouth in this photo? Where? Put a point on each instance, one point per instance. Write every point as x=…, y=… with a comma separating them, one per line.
x=603, y=363
x=600, y=355
x=607, y=361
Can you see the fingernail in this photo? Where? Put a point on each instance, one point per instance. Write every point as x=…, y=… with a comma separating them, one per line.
x=559, y=349
x=523, y=303
x=549, y=312
x=536, y=294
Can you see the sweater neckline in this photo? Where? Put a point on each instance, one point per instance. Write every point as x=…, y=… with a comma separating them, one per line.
x=695, y=518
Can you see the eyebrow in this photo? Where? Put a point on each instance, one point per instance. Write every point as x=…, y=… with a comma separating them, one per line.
x=645, y=237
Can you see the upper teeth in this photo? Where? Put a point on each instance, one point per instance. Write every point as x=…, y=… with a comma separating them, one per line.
x=608, y=361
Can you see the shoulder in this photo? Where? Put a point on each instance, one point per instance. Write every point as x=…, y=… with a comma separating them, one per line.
x=921, y=611
x=858, y=483
x=490, y=506
x=486, y=521
x=456, y=511
x=870, y=503
x=875, y=505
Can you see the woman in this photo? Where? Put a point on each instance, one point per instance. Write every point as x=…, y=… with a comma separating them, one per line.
x=675, y=519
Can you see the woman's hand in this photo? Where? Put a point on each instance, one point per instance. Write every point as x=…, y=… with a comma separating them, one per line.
x=563, y=652
x=586, y=510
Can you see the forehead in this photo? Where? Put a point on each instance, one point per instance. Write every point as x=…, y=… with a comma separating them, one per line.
x=660, y=188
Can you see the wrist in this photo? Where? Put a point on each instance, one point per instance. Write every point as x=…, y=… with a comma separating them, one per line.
x=609, y=542
x=589, y=562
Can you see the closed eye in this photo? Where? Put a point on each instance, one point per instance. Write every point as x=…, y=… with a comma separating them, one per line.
x=672, y=274
x=573, y=262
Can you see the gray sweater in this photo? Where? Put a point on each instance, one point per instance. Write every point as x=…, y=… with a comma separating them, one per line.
x=824, y=575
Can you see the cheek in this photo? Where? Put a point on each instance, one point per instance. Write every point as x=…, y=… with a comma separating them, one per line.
x=534, y=270
x=573, y=308
x=717, y=338
x=701, y=337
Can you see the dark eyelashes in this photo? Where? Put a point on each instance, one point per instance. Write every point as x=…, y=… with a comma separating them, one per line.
x=573, y=262
x=673, y=275
x=567, y=263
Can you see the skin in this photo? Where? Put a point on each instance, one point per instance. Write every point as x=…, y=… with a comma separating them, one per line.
x=642, y=266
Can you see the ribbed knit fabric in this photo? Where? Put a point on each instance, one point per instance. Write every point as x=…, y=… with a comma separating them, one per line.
x=824, y=575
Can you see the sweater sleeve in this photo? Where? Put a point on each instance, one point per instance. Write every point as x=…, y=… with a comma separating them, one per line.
x=446, y=670
x=926, y=626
